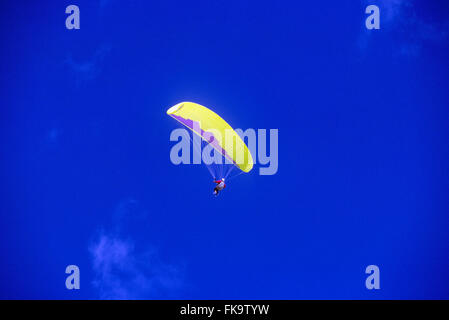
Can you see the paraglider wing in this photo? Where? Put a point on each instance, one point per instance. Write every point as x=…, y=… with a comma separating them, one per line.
x=215, y=131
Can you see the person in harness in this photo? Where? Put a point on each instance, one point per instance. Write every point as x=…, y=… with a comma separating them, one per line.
x=220, y=186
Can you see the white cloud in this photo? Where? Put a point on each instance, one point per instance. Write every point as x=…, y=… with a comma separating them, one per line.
x=125, y=269
x=391, y=9
x=401, y=23
x=88, y=69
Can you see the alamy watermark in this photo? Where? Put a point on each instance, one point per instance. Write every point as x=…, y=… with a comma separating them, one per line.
x=226, y=150
x=373, y=280
x=73, y=280
x=373, y=20
x=73, y=20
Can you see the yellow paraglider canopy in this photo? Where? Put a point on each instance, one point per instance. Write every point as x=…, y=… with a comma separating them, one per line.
x=215, y=131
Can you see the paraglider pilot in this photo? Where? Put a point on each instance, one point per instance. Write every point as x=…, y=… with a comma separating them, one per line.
x=220, y=186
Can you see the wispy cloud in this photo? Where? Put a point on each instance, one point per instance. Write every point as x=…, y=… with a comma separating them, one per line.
x=391, y=9
x=103, y=3
x=127, y=269
x=52, y=136
x=401, y=22
x=90, y=68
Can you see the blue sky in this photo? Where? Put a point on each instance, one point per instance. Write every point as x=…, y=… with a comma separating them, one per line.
x=86, y=177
